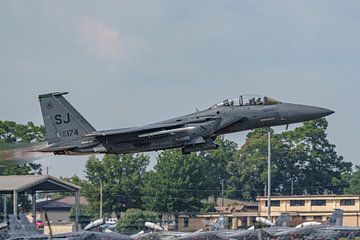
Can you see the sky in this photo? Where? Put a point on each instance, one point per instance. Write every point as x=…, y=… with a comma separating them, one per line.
x=129, y=63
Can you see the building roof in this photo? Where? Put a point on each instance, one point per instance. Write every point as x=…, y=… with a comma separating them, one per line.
x=234, y=202
x=232, y=206
x=52, y=204
x=296, y=197
x=60, y=204
x=71, y=200
x=28, y=183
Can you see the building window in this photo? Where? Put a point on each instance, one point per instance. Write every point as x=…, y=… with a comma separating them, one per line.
x=347, y=202
x=295, y=203
x=186, y=222
x=318, y=202
x=274, y=203
x=317, y=218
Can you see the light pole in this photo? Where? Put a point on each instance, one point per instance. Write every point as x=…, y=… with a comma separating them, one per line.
x=222, y=192
x=269, y=176
x=101, y=199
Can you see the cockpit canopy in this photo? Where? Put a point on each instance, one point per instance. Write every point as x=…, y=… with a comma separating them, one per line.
x=247, y=100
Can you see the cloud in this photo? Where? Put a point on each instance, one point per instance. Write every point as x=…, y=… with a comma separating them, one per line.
x=100, y=38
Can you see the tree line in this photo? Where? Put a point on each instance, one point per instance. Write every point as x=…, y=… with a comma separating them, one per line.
x=304, y=161
x=12, y=132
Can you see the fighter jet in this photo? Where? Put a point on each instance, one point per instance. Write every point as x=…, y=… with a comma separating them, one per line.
x=22, y=230
x=217, y=232
x=68, y=132
x=330, y=230
x=280, y=225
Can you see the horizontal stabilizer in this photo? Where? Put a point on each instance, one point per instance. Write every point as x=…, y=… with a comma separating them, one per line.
x=50, y=148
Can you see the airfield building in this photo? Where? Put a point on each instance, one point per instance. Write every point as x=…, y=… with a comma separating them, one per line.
x=13, y=187
x=313, y=207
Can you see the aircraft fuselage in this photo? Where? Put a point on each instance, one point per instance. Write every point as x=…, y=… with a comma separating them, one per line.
x=69, y=133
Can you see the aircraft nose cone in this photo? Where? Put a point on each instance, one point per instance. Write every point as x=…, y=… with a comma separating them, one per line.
x=291, y=113
x=316, y=112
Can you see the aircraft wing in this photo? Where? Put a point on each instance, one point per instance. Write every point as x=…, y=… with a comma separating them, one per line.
x=135, y=130
x=343, y=228
x=157, y=129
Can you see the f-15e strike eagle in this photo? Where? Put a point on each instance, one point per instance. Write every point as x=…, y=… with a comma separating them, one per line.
x=68, y=132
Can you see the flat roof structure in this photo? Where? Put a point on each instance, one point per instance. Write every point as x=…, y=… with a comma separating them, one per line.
x=31, y=184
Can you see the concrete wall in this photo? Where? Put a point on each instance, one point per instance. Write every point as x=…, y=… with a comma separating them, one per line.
x=60, y=228
x=54, y=216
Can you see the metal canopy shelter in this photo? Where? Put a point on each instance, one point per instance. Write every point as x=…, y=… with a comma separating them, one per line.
x=30, y=184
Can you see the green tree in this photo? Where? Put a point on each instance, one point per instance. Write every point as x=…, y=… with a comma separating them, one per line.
x=249, y=169
x=178, y=183
x=84, y=215
x=303, y=156
x=10, y=168
x=12, y=132
x=354, y=182
x=318, y=168
x=217, y=161
x=134, y=220
x=122, y=179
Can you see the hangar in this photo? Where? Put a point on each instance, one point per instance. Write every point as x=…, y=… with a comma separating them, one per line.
x=32, y=184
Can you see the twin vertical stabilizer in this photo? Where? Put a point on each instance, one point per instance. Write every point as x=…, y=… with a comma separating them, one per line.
x=63, y=123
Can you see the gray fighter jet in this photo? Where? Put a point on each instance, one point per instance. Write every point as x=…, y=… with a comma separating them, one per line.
x=22, y=230
x=280, y=225
x=331, y=230
x=217, y=232
x=68, y=132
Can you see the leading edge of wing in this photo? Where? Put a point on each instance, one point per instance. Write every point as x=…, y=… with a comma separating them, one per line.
x=136, y=130
x=152, y=129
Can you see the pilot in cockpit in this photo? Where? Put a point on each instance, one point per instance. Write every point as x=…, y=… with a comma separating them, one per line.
x=258, y=101
x=252, y=101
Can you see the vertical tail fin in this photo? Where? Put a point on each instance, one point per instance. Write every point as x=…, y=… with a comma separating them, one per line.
x=15, y=226
x=28, y=227
x=220, y=223
x=62, y=122
x=283, y=220
x=336, y=218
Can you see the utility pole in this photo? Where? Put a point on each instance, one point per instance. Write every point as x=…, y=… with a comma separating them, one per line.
x=101, y=199
x=269, y=176
x=47, y=174
x=222, y=192
x=5, y=207
x=292, y=186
